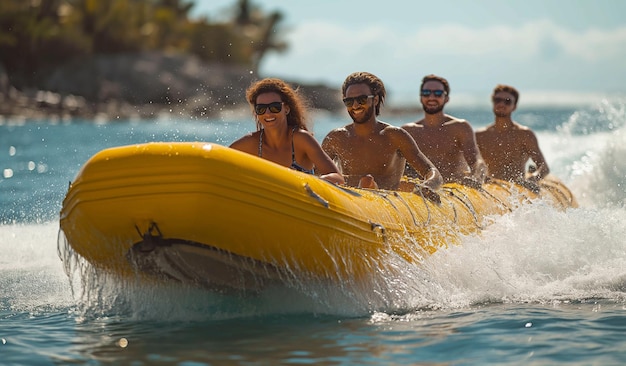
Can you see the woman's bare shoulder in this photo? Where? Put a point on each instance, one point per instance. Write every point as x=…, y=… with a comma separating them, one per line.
x=245, y=140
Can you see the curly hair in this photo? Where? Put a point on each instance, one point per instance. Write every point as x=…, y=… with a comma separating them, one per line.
x=297, y=103
x=375, y=84
x=507, y=89
x=432, y=77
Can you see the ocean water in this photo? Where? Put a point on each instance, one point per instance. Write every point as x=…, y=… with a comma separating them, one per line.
x=538, y=286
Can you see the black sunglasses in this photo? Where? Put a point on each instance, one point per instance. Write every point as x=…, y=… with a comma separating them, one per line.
x=274, y=108
x=437, y=93
x=361, y=99
x=506, y=101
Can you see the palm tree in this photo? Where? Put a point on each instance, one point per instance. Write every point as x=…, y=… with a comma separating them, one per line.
x=262, y=30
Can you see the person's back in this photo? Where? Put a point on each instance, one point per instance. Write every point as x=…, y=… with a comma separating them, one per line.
x=508, y=146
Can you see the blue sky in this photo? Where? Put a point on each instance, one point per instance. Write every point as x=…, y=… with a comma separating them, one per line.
x=552, y=51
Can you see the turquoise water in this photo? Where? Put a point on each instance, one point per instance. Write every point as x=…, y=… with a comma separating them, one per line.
x=538, y=286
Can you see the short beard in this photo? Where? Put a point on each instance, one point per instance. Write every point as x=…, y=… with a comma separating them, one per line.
x=432, y=110
x=365, y=117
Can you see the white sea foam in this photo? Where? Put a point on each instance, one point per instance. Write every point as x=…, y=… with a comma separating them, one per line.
x=31, y=274
x=536, y=254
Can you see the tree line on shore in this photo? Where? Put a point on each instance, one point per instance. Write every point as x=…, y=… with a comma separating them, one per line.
x=83, y=57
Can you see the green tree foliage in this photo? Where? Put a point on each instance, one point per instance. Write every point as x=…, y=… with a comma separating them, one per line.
x=38, y=35
x=260, y=30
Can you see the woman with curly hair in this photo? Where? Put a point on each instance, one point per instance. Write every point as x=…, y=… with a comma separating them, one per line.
x=282, y=136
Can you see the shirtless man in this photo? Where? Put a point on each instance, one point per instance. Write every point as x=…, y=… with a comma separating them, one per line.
x=447, y=141
x=369, y=152
x=506, y=145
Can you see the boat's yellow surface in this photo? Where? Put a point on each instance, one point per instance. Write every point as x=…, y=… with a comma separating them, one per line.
x=216, y=216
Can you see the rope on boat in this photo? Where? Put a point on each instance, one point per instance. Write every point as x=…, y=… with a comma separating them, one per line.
x=315, y=195
x=418, y=190
x=467, y=203
x=411, y=211
x=490, y=195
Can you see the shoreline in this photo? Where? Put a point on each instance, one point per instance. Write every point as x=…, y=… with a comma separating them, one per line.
x=18, y=107
x=39, y=105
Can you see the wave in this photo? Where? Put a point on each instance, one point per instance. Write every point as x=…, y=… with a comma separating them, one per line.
x=534, y=254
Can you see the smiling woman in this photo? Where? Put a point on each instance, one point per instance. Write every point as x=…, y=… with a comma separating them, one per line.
x=282, y=135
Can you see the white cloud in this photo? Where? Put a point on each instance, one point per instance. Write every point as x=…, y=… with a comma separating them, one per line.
x=595, y=45
x=537, y=54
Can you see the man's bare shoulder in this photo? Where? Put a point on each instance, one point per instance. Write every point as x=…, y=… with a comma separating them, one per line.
x=454, y=121
x=384, y=126
x=514, y=130
x=414, y=125
x=525, y=133
x=338, y=132
x=521, y=127
x=458, y=127
x=519, y=130
x=486, y=130
x=342, y=129
x=391, y=130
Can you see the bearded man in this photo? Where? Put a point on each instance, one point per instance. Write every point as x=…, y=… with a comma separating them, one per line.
x=371, y=153
x=447, y=141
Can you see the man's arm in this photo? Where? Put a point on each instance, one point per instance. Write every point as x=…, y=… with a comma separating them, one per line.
x=542, y=169
x=471, y=153
x=416, y=159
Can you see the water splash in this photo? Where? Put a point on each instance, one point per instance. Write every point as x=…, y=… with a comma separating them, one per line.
x=600, y=175
x=31, y=277
x=604, y=116
x=535, y=254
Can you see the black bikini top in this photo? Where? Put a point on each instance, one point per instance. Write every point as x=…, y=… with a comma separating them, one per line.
x=294, y=163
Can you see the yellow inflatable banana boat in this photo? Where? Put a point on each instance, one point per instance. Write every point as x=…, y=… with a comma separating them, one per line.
x=209, y=215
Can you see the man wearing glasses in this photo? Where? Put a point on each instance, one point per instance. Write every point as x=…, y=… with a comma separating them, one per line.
x=447, y=141
x=507, y=146
x=369, y=152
